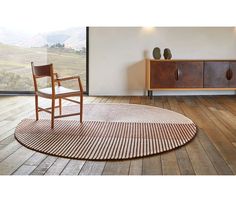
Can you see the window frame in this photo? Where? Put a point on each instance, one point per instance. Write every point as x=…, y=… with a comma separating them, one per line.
x=86, y=92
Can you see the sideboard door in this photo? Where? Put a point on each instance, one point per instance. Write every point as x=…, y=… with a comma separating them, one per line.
x=189, y=74
x=215, y=74
x=232, y=81
x=162, y=74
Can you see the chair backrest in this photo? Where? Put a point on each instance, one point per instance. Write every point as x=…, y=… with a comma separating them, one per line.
x=42, y=71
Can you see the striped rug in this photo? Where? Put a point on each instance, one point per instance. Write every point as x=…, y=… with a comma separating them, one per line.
x=107, y=140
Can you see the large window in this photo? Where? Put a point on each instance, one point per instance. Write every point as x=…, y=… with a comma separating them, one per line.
x=65, y=48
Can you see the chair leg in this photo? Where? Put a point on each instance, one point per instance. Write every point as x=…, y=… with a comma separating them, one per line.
x=81, y=108
x=36, y=108
x=52, y=113
x=60, y=106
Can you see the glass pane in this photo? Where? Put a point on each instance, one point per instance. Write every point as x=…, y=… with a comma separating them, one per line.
x=66, y=49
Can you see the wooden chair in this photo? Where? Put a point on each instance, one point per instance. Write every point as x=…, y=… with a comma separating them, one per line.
x=55, y=92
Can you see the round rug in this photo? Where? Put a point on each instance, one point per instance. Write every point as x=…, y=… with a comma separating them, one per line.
x=108, y=132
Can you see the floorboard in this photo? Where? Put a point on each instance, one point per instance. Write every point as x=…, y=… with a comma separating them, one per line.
x=117, y=168
x=36, y=159
x=152, y=165
x=136, y=166
x=200, y=161
x=185, y=165
x=9, y=165
x=93, y=168
x=24, y=170
x=57, y=167
x=43, y=167
x=73, y=167
x=169, y=163
x=9, y=149
x=212, y=152
x=215, y=157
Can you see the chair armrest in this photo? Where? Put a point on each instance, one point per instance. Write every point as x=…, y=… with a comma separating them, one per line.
x=71, y=78
x=68, y=78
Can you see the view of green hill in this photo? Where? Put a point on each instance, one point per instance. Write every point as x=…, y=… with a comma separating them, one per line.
x=15, y=70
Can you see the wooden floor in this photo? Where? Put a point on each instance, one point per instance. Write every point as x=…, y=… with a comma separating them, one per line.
x=212, y=152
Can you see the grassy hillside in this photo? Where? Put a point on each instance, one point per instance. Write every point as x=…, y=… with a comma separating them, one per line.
x=15, y=70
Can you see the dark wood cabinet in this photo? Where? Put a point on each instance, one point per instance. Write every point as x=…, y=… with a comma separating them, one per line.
x=216, y=74
x=189, y=75
x=162, y=74
x=168, y=74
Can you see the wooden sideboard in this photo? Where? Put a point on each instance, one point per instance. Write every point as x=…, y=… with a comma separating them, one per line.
x=190, y=75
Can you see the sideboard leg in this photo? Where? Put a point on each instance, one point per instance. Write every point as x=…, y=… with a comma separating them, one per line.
x=151, y=94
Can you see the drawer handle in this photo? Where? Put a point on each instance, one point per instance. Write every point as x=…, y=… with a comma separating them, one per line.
x=177, y=74
x=229, y=74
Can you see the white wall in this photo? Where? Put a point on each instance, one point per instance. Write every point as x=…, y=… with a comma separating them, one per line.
x=116, y=54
